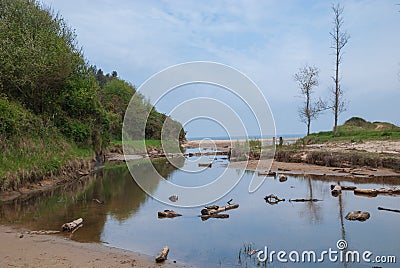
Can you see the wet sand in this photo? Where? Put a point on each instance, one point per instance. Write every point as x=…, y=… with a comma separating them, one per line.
x=55, y=251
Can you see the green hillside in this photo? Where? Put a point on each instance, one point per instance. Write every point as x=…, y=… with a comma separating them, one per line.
x=357, y=129
x=54, y=106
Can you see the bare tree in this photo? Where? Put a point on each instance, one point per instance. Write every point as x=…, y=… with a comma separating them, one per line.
x=307, y=78
x=340, y=39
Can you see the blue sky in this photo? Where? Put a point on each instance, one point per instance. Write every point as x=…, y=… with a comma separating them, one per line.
x=266, y=40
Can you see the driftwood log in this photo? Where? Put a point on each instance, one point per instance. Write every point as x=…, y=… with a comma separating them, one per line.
x=304, y=200
x=375, y=192
x=71, y=226
x=205, y=165
x=168, y=214
x=162, y=256
x=267, y=173
x=343, y=187
x=213, y=211
x=366, y=192
x=216, y=216
x=357, y=216
x=388, y=209
x=273, y=199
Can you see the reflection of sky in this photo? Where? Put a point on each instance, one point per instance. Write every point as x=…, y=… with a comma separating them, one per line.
x=285, y=226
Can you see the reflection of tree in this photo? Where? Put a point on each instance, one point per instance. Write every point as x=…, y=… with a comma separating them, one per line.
x=115, y=186
x=343, y=231
x=313, y=208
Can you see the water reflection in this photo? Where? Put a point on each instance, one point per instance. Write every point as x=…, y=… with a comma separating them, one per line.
x=113, y=187
x=128, y=217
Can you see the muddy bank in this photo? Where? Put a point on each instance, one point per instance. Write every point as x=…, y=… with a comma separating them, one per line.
x=34, y=184
x=19, y=249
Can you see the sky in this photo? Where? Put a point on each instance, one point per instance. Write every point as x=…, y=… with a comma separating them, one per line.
x=268, y=41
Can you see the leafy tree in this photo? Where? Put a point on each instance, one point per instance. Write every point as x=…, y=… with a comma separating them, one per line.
x=115, y=97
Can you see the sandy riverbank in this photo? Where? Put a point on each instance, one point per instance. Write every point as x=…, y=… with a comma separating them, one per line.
x=382, y=147
x=56, y=251
x=303, y=168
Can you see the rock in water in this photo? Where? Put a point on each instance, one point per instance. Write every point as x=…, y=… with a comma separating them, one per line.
x=282, y=178
x=173, y=198
x=357, y=216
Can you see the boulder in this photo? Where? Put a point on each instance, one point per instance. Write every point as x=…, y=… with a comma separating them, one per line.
x=357, y=215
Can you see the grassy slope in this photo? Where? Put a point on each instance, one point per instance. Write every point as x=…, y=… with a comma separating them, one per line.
x=354, y=130
x=29, y=149
x=357, y=130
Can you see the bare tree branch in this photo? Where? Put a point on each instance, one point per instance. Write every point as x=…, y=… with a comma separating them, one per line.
x=307, y=79
x=340, y=38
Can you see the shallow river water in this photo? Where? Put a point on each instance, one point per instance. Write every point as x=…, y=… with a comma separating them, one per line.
x=128, y=218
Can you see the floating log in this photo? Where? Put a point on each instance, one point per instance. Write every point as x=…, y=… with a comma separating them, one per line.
x=393, y=190
x=375, y=192
x=357, y=216
x=162, y=256
x=344, y=187
x=304, y=200
x=217, y=216
x=367, y=192
x=212, y=207
x=267, y=173
x=282, y=178
x=71, y=226
x=206, y=211
x=388, y=209
x=273, y=199
x=168, y=214
x=205, y=165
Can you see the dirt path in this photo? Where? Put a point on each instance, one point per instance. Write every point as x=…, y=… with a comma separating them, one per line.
x=55, y=251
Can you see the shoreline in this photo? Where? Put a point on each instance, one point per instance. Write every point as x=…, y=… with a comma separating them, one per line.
x=18, y=248
x=309, y=169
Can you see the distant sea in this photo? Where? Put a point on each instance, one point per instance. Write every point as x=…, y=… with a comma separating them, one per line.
x=250, y=137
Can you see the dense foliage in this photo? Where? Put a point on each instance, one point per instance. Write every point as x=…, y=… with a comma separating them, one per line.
x=44, y=70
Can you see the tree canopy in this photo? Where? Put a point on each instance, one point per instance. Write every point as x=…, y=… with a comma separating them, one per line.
x=43, y=68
